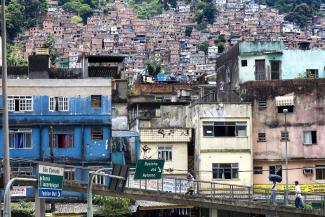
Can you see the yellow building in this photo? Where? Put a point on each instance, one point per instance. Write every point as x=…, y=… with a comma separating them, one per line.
x=223, y=146
x=169, y=144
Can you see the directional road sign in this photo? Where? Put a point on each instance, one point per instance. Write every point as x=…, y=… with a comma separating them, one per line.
x=149, y=169
x=50, y=180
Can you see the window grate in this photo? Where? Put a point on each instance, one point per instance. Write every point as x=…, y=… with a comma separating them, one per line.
x=97, y=134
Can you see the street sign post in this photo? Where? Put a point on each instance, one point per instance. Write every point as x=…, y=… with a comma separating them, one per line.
x=149, y=169
x=50, y=181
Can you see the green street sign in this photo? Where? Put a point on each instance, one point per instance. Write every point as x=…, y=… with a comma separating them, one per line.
x=50, y=181
x=149, y=169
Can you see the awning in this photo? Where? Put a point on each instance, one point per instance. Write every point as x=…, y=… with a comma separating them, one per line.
x=124, y=133
x=152, y=205
x=287, y=100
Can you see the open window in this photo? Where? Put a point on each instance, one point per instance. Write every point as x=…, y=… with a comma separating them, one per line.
x=62, y=138
x=312, y=73
x=58, y=104
x=310, y=137
x=277, y=170
x=20, y=138
x=96, y=101
x=225, y=170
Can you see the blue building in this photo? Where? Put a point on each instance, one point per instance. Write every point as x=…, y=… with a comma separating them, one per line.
x=64, y=121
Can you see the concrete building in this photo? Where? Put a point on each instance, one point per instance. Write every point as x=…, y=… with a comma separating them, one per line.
x=223, y=142
x=305, y=101
x=267, y=60
x=159, y=113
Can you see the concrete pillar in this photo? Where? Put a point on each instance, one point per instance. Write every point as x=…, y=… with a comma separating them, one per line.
x=39, y=206
x=213, y=213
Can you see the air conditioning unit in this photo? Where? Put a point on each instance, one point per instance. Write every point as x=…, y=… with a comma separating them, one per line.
x=308, y=171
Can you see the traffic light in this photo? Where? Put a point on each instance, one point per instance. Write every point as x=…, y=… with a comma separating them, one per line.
x=117, y=185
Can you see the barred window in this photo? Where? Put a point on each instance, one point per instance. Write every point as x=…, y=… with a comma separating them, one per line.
x=165, y=153
x=97, y=134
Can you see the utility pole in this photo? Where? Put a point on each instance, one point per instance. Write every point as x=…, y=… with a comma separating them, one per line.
x=5, y=128
x=285, y=111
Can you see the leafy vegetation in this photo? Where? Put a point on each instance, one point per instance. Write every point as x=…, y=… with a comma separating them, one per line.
x=83, y=10
x=22, y=14
x=147, y=8
x=49, y=43
x=204, y=46
x=298, y=10
x=14, y=58
x=23, y=209
x=153, y=68
x=113, y=206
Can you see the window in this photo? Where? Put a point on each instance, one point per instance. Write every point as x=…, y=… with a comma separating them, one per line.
x=259, y=69
x=69, y=174
x=261, y=137
x=289, y=108
x=258, y=170
x=244, y=63
x=20, y=103
x=261, y=103
x=96, y=101
x=58, y=104
x=62, y=138
x=275, y=70
x=165, y=153
x=284, y=136
x=225, y=129
x=276, y=170
x=225, y=170
x=312, y=73
x=310, y=137
x=208, y=129
x=320, y=172
x=97, y=134
x=20, y=138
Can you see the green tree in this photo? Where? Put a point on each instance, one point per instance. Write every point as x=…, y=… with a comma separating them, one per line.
x=204, y=46
x=113, y=206
x=23, y=14
x=49, y=43
x=153, y=68
x=14, y=57
x=76, y=19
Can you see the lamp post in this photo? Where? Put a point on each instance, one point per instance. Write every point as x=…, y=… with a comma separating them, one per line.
x=5, y=128
x=285, y=111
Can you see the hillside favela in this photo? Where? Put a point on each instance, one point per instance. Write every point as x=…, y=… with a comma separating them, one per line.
x=162, y=108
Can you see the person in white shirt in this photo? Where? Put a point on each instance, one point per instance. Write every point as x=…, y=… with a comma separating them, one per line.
x=298, y=201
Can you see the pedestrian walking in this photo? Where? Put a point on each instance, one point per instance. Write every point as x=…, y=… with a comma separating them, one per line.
x=298, y=201
x=273, y=193
x=190, y=188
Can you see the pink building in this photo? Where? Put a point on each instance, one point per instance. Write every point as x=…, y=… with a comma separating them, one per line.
x=304, y=100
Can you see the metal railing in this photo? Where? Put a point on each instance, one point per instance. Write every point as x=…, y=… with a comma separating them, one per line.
x=222, y=191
